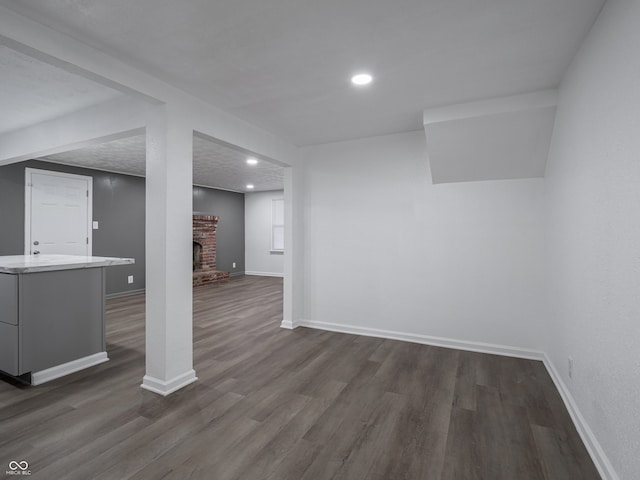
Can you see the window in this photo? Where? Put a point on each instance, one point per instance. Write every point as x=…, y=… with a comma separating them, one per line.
x=277, y=225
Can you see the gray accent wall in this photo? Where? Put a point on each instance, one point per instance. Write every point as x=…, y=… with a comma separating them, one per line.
x=118, y=207
x=12, y=209
x=229, y=206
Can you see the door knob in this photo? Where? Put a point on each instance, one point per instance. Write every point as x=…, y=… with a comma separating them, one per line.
x=36, y=252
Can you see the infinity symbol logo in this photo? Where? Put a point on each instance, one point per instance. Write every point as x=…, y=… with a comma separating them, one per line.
x=23, y=465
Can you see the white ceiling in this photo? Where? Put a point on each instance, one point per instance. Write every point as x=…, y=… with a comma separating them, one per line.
x=32, y=91
x=219, y=166
x=285, y=64
x=126, y=155
x=214, y=165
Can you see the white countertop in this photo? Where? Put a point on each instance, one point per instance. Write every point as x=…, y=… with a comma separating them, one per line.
x=47, y=263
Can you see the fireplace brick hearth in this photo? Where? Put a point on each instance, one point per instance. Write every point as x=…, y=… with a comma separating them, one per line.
x=204, y=250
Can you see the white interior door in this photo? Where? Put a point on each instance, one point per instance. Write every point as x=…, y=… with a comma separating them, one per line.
x=58, y=213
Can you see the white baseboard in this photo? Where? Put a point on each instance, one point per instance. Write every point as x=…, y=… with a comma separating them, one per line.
x=423, y=339
x=58, y=371
x=167, y=387
x=592, y=445
x=264, y=274
x=288, y=324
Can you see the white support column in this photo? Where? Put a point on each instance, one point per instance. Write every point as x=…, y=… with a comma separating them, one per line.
x=293, y=300
x=169, y=338
x=289, y=250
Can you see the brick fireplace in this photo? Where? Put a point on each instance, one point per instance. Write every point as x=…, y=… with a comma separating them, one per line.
x=204, y=250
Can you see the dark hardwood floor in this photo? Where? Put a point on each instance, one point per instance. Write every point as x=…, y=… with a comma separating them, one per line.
x=300, y=405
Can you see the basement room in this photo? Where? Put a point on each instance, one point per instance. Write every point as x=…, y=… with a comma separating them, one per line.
x=316, y=240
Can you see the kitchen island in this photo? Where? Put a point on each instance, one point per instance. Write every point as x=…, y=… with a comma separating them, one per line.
x=52, y=314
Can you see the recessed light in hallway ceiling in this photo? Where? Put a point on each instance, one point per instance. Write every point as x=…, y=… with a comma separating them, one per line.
x=362, y=79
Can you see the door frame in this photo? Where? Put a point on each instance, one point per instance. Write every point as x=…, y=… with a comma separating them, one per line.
x=28, y=173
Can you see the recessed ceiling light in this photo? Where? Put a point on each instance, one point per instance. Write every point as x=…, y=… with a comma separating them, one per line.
x=252, y=161
x=250, y=186
x=361, y=79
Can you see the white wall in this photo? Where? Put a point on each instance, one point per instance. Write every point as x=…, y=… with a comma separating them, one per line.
x=257, y=224
x=386, y=249
x=593, y=179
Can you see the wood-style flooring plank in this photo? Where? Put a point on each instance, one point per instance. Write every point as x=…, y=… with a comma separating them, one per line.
x=276, y=404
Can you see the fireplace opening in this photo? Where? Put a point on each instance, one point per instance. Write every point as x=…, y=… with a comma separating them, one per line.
x=197, y=256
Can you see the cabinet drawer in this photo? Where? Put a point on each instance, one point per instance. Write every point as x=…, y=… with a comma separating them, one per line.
x=9, y=348
x=9, y=298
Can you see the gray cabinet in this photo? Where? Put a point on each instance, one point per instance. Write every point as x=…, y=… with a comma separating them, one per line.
x=9, y=324
x=52, y=314
x=9, y=299
x=9, y=349
x=50, y=318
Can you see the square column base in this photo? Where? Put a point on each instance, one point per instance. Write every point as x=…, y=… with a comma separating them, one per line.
x=164, y=388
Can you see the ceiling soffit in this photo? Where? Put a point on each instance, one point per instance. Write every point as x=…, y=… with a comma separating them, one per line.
x=497, y=139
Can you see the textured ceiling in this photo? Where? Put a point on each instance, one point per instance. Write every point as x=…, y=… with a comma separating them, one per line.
x=219, y=166
x=32, y=91
x=285, y=64
x=214, y=165
x=126, y=155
